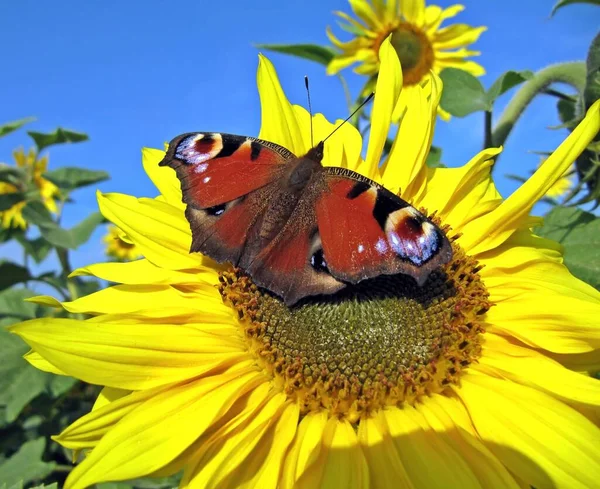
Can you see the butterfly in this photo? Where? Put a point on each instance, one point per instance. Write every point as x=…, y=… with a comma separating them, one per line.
x=295, y=227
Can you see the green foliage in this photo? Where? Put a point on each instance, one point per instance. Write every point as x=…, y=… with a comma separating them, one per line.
x=8, y=200
x=312, y=52
x=579, y=232
x=59, y=136
x=26, y=465
x=564, y=3
x=14, y=125
x=11, y=174
x=70, y=178
x=32, y=401
x=36, y=213
x=434, y=158
x=11, y=274
x=464, y=94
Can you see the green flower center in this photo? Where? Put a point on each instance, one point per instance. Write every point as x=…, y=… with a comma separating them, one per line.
x=382, y=342
x=414, y=50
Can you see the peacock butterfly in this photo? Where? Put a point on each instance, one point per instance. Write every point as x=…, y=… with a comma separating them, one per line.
x=296, y=227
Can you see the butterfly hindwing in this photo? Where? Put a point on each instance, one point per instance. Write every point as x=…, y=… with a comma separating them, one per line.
x=367, y=231
x=292, y=264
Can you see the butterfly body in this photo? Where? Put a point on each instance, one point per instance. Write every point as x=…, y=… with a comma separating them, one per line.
x=296, y=227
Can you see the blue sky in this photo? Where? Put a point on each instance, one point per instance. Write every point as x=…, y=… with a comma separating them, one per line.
x=134, y=74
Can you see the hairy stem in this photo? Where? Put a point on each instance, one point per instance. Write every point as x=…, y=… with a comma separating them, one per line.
x=572, y=73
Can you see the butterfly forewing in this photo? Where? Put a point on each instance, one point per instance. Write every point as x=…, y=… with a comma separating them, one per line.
x=217, y=168
x=224, y=181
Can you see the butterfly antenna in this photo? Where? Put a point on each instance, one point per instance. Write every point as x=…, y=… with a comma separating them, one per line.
x=365, y=102
x=312, y=142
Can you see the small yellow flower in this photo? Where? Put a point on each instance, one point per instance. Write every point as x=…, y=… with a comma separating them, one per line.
x=417, y=36
x=119, y=246
x=399, y=386
x=34, y=167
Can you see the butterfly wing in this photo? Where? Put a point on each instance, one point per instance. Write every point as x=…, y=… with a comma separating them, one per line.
x=292, y=265
x=224, y=181
x=367, y=231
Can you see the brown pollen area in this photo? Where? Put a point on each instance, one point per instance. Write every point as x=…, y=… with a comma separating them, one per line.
x=383, y=342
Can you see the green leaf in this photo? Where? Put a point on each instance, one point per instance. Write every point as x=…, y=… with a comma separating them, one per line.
x=13, y=305
x=37, y=248
x=70, y=178
x=434, y=157
x=313, y=52
x=14, y=125
x=54, y=485
x=36, y=213
x=11, y=273
x=26, y=465
x=463, y=94
x=567, y=111
x=12, y=174
x=579, y=232
x=505, y=82
x=564, y=3
x=59, y=136
x=73, y=238
x=8, y=200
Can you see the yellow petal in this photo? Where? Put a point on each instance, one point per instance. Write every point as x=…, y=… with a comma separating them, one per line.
x=421, y=449
x=222, y=456
x=504, y=359
x=404, y=169
x=502, y=222
x=433, y=19
x=343, y=148
x=304, y=450
x=364, y=11
x=413, y=11
x=450, y=420
x=545, y=442
x=163, y=177
x=341, y=462
x=129, y=356
x=461, y=195
x=387, y=91
x=456, y=36
x=279, y=123
x=88, y=430
x=124, y=299
x=144, y=272
x=385, y=466
x=158, y=229
x=160, y=429
x=466, y=65
x=39, y=362
x=108, y=395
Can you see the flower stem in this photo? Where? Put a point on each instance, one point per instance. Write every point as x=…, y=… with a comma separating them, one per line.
x=571, y=73
x=63, y=258
x=487, y=136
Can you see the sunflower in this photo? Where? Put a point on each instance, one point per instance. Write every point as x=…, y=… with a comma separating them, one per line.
x=34, y=168
x=474, y=380
x=119, y=246
x=420, y=43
